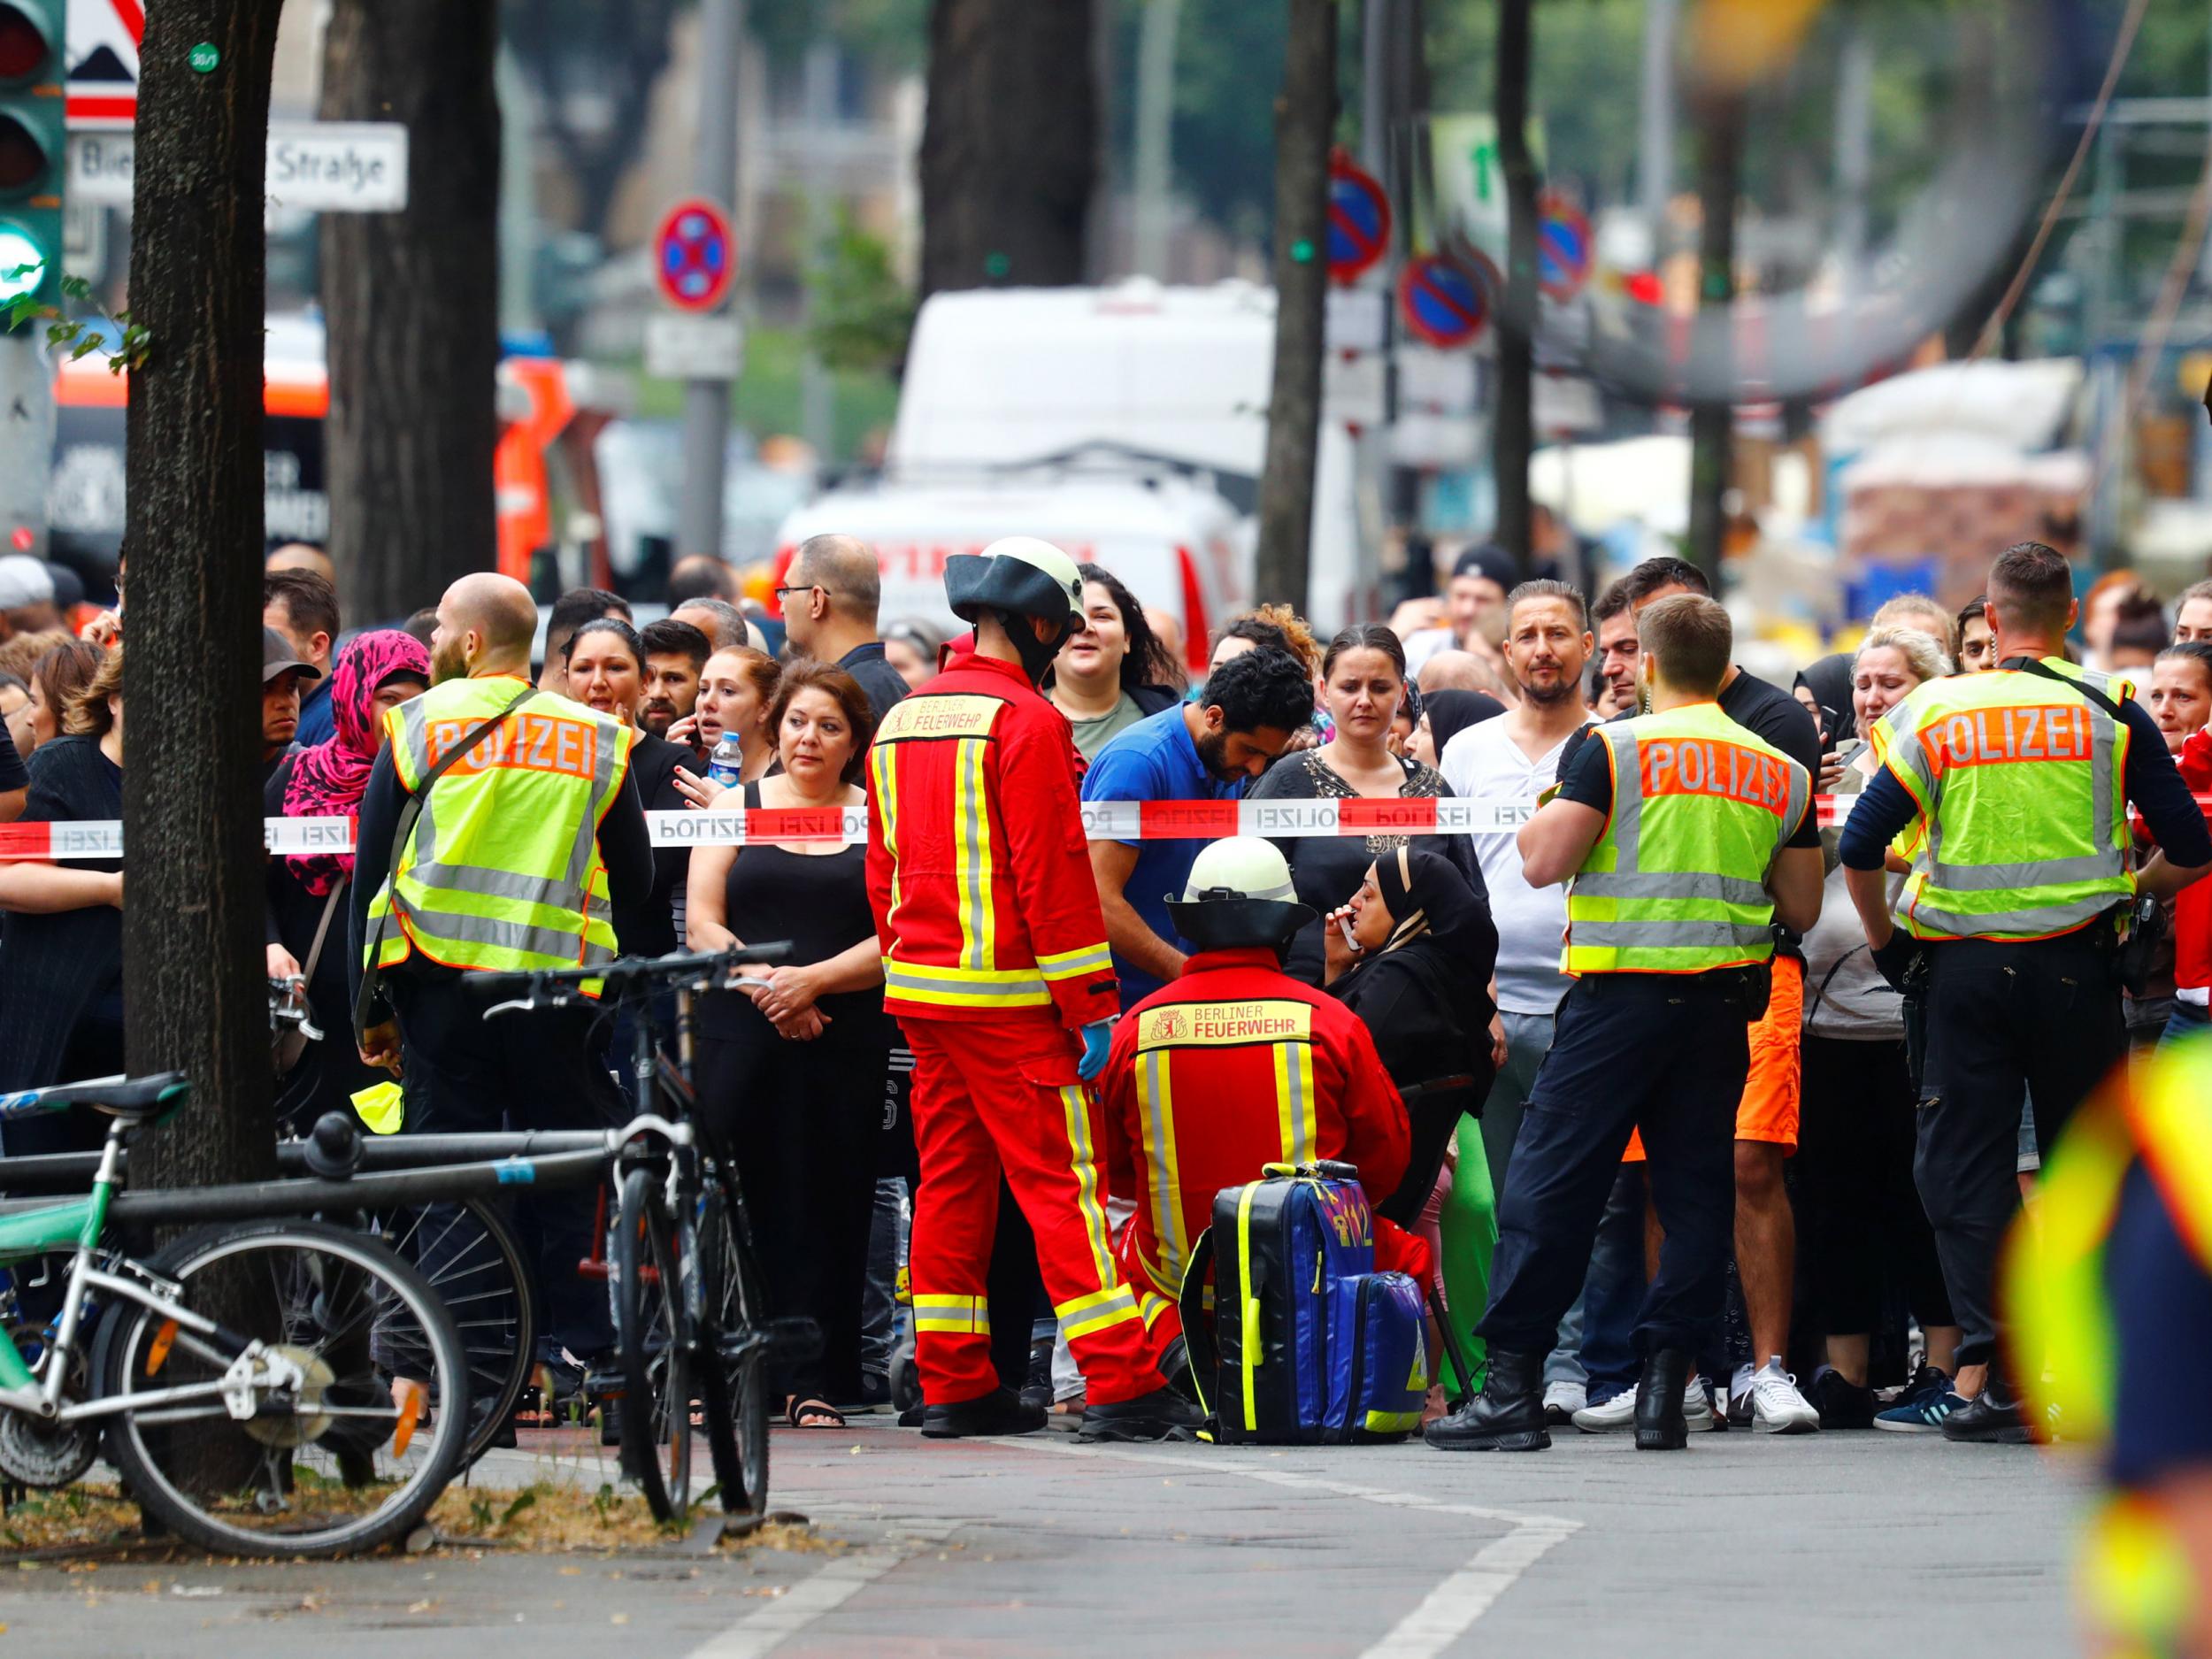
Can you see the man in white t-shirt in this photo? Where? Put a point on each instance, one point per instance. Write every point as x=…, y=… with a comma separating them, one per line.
x=1515, y=757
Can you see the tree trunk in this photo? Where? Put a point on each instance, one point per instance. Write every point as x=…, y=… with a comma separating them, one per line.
x=192, y=977
x=1008, y=158
x=1305, y=117
x=412, y=300
x=1513, y=433
x=1713, y=423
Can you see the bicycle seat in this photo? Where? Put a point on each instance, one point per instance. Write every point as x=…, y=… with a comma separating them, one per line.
x=135, y=1097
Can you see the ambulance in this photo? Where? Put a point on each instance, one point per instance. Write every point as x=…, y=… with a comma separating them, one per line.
x=1175, y=543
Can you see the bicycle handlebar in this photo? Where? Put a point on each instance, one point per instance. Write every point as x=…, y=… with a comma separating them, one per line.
x=629, y=976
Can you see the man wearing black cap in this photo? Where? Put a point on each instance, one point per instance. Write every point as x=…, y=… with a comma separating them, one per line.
x=282, y=675
x=1476, y=594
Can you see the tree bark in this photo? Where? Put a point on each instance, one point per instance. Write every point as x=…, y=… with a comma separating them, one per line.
x=1008, y=158
x=1305, y=117
x=412, y=300
x=192, y=977
x=1713, y=424
x=1513, y=431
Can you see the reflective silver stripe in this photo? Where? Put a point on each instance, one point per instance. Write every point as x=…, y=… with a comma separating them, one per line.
x=415, y=723
x=2048, y=872
x=1628, y=795
x=1680, y=935
x=606, y=752
x=968, y=755
x=499, y=884
x=2045, y=918
x=1681, y=885
x=898, y=975
x=1905, y=747
x=1160, y=1153
x=1799, y=801
x=484, y=930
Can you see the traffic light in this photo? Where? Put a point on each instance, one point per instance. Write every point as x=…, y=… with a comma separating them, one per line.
x=33, y=153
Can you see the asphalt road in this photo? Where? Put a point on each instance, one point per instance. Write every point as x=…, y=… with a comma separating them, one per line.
x=1825, y=1544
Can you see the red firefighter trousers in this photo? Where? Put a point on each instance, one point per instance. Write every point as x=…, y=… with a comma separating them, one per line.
x=1003, y=1094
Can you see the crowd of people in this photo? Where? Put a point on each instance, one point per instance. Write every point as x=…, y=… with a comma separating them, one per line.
x=1430, y=969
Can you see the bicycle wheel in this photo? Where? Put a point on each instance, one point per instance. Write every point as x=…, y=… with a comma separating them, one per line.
x=734, y=1363
x=469, y=1253
x=351, y=1459
x=654, y=1330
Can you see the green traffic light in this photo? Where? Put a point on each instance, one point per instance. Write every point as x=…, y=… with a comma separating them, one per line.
x=22, y=263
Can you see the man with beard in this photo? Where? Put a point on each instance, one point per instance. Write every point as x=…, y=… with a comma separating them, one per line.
x=530, y=774
x=1615, y=626
x=676, y=655
x=1207, y=749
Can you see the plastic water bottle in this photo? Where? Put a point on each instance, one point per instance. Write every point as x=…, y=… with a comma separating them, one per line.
x=726, y=765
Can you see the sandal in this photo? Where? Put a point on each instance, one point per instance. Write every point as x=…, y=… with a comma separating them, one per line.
x=795, y=1412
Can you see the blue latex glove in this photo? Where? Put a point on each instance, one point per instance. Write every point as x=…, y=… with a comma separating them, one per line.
x=1096, y=1037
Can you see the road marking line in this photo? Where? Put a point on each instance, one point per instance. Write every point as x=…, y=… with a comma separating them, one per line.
x=837, y=1582
x=1447, y=1611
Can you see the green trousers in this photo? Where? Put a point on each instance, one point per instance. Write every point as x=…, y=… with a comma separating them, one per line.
x=1469, y=1228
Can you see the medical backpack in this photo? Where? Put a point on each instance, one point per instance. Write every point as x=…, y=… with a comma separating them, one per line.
x=1306, y=1343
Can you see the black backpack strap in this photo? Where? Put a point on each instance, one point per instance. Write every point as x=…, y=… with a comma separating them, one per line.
x=1198, y=1327
x=364, y=1004
x=2043, y=671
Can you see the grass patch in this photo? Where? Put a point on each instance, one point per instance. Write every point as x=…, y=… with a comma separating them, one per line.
x=543, y=1517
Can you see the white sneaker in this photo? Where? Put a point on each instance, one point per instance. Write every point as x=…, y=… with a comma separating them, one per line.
x=1619, y=1412
x=1615, y=1415
x=1777, y=1408
x=1562, y=1401
x=1697, y=1406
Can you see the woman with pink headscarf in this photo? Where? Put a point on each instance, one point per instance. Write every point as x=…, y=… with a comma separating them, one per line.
x=374, y=674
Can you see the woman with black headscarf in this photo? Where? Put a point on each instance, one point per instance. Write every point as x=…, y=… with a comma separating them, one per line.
x=1416, y=970
x=1444, y=716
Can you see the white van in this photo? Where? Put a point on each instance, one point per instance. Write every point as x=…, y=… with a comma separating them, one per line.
x=1173, y=541
x=1000, y=376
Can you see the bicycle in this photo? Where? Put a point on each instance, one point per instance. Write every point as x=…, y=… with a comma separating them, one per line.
x=691, y=1322
x=299, y=1369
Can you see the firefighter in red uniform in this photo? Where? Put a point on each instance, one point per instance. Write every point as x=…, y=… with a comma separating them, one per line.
x=1236, y=1065
x=994, y=961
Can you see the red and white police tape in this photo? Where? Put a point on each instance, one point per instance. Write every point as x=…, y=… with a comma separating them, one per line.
x=1103, y=820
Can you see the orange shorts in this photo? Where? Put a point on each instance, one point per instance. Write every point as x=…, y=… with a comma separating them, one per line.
x=1774, y=1086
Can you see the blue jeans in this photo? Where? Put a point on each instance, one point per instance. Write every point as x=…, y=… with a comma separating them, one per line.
x=1527, y=1041
x=1598, y=1083
x=2185, y=1021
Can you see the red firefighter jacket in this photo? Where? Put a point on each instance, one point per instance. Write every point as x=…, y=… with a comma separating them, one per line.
x=1235, y=1066
x=978, y=870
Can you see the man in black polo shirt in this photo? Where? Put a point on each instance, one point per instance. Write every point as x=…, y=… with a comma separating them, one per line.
x=1762, y=1395
x=829, y=596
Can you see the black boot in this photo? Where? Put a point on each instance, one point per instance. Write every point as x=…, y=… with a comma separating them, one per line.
x=1995, y=1416
x=1507, y=1417
x=999, y=1412
x=1162, y=1414
x=1659, y=1426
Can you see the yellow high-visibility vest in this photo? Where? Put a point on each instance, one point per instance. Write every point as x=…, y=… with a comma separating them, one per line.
x=1677, y=882
x=2019, y=784
x=501, y=871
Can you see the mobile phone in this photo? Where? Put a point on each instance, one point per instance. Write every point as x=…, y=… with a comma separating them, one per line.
x=1344, y=926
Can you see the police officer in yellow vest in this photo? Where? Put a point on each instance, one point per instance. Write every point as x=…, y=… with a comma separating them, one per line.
x=2020, y=780
x=2109, y=1291
x=523, y=845
x=1674, y=830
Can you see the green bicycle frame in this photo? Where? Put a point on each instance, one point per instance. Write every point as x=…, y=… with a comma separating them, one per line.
x=75, y=1225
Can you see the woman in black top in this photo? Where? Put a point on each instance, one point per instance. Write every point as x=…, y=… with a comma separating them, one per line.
x=797, y=1106
x=1363, y=681
x=1418, y=973
x=605, y=664
x=61, y=956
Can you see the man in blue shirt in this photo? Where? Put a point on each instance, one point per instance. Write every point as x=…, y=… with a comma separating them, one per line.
x=1205, y=751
